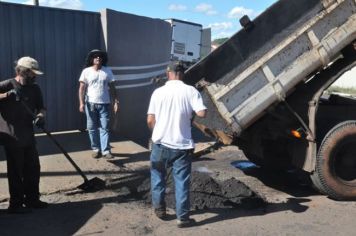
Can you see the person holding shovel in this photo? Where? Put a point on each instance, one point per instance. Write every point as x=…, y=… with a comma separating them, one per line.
x=20, y=99
x=94, y=99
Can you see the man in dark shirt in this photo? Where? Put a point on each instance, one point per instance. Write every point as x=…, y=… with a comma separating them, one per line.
x=21, y=106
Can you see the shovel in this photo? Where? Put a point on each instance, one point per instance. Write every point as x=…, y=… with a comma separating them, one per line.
x=91, y=185
x=88, y=185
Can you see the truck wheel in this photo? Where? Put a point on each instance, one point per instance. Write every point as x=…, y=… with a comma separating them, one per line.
x=335, y=172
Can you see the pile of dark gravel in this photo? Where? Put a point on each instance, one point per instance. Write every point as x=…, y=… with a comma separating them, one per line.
x=205, y=193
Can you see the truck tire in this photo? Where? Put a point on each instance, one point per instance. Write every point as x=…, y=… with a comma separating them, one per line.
x=335, y=172
x=316, y=183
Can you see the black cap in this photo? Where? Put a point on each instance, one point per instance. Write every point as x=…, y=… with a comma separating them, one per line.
x=176, y=66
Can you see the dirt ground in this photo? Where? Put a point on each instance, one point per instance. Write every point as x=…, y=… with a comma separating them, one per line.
x=225, y=200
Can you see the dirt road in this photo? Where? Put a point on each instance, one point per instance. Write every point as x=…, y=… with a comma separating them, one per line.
x=226, y=200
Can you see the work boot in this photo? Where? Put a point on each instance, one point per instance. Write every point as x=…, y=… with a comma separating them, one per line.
x=161, y=213
x=108, y=156
x=37, y=204
x=18, y=210
x=96, y=155
x=182, y=223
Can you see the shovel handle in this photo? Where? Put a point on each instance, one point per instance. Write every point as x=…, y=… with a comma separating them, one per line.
x=57, y=144
x=66, y=154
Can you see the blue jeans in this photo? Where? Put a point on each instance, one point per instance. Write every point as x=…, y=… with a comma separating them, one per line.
x=161, y=158
x=98, y=117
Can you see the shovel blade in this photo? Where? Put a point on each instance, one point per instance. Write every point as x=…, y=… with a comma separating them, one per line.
x=92, y=185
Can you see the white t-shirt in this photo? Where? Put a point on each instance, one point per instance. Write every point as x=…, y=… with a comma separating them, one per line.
x=97, y=82
x=173, y=105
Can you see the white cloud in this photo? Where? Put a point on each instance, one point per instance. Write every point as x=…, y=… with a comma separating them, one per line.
x=177, y=7
x=68, y=4
x=211, y=13
x=238, y=12
x=205, y=8
x=220, y=26
x=223, y=29
x=222, y=34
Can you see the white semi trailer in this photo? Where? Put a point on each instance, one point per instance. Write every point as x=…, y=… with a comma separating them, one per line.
x=186, y=41
x=264, y=88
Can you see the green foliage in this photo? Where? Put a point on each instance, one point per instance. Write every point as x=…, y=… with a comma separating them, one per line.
x=346, y=90
x=219, y=41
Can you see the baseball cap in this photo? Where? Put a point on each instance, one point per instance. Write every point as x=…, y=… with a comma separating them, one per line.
x=30, y=63
x=176, y=66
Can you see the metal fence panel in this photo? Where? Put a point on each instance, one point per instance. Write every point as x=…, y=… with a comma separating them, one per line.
x=138, y=50
x=60, y=40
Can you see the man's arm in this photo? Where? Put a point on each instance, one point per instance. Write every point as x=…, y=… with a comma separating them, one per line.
x=113, y=96
x=39, y=120
x=82, y=88
x=41, y=110
x=201, y=113
x=42, y=113
x=197, y=104
x=113, y=92
x=5, y=93
x=151, y=121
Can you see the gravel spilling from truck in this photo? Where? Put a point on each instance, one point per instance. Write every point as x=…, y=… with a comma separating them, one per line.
x=206, y=192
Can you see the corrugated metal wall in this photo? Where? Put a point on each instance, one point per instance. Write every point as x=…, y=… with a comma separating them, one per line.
x=138, y=50
x=60, y=40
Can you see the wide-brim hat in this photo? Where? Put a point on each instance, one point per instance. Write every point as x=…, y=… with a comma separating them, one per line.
x=97, y=53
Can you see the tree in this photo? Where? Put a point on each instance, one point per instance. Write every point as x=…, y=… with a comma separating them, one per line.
x=219, y=41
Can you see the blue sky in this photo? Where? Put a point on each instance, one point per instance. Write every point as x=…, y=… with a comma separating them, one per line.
x=221, y=16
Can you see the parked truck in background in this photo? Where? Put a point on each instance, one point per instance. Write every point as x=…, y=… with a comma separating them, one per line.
x=265, y=91
x=186, y=41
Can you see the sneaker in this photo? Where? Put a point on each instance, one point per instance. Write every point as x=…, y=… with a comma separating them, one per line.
x=161, y=213
x=36, y=204
x=18, y=210
x=185, y=223
x=96, y=155
x=108, y=156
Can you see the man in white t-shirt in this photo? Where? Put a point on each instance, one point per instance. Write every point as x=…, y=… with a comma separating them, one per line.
x=94, y=100
x=169, y=117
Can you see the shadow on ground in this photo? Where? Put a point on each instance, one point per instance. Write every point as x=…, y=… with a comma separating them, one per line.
x=69, y=217
x=59, y=219
x=229, y=199
x=292, y=181
x=126, y=158
x=71, y=142
x=245, y=210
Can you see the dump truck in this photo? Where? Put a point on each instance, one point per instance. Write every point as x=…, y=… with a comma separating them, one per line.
x=266, y=90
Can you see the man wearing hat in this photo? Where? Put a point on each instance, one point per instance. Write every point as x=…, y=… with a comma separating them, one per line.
x=169, y=117
x=94, y=100
x=20, y=98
